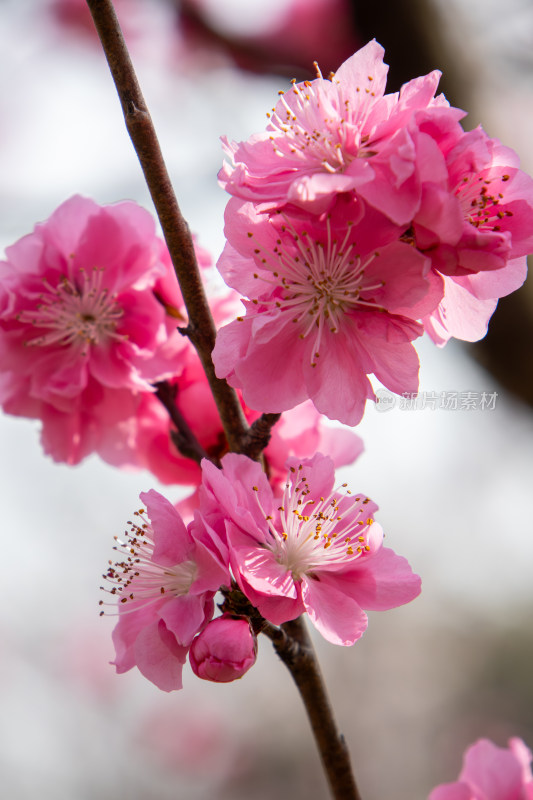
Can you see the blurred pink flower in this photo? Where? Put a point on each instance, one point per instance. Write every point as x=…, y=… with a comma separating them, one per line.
x=266, y=37
x=75, y=18
x=491, y=773
x=185, y=735
x=338, y=135
x=225, y=650
x=165, y=583
x=88, y=308
x=300, y=432
x=331, y=301
x=318, y=550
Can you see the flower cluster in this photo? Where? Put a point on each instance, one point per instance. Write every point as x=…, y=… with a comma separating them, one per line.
x=358, y=220
x=319, y=552
x=491, y=773
x=89, y=305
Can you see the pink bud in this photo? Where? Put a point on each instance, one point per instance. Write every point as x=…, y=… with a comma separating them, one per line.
x=224, y=650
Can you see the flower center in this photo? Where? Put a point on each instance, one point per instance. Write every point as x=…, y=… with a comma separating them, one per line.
x=75, y=313
x=137, y=578
x=318, y=282
x=481, y=199
x=314, y=532
x=318, y=123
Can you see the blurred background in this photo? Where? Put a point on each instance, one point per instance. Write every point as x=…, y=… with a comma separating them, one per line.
x=454, y=487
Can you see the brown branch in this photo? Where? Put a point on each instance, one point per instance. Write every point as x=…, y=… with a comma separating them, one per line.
x=293, y=645
x=258, y=436
x=201, y=329
x=183, y=437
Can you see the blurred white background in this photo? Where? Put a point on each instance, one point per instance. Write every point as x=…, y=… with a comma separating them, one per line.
x=454, y=487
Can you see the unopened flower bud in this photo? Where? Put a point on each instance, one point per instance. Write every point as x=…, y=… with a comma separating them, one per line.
x=224, y=650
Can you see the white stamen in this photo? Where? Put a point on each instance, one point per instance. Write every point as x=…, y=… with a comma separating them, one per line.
x=137, y=578
x=314, y=532
x=75, y=313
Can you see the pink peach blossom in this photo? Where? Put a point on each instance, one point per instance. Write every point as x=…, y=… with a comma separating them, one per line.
x=225, y=650
x=318, y=550
x=459, y=197
x=475, y=224
x=85, y=326
x=339, y=135
x=477, y=208
x=330, y=301
x=164, y=582
x=491, y=773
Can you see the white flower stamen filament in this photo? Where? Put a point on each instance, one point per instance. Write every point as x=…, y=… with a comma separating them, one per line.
x=323, y=126
x=314, y=532
x=319, y=282
x=75, y=313
x=137, y=578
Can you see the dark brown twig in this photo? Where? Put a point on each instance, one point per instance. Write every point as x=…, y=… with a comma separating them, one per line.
x=258, y=436
x=294, y=647
x=201, y=328
x=183, y=437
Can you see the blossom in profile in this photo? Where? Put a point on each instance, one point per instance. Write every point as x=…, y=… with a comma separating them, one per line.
x=317, y=550
x=87, y=323
x=163, y=581
x=475, y=223
x=330, y=301
x=225, y=650
x=491, y=773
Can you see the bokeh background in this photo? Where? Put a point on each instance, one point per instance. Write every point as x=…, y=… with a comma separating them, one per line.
x=454, y=487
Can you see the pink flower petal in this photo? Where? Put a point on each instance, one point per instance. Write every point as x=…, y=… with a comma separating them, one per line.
x=159, y=657
x=384, y=581
x=185, y=616
x=336, y=616
x=172, y=542
x=452, y=791
x=493, y=772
